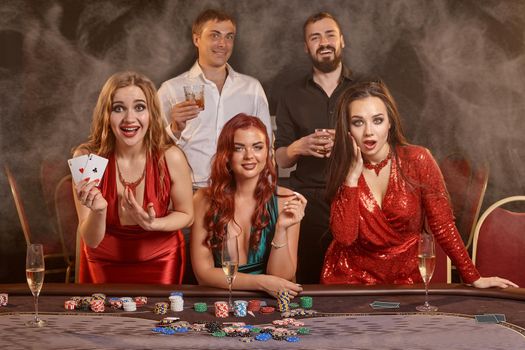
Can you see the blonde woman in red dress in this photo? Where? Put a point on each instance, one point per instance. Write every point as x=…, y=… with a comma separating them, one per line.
x=130, y=223
x=382, y=189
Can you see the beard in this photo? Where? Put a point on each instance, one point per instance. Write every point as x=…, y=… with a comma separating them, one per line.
x=326, y=65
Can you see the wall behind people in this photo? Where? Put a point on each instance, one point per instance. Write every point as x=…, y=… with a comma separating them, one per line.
x=455, y=67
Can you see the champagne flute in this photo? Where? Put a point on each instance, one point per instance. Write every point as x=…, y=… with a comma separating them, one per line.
x=427, y=262
x=35, y=269
x=230, y=262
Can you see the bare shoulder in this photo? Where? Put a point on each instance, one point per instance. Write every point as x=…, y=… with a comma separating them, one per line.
x=174, y=155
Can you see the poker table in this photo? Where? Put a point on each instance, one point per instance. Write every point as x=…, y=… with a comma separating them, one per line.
x=344, y=319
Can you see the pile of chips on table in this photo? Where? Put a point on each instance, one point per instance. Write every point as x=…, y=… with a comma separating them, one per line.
x=97, y=302
x=280, y=330
x=3, y=299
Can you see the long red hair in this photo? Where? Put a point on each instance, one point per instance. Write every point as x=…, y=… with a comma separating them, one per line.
x=222, y=184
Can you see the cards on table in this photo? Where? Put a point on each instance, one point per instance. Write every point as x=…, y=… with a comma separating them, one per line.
x=490, y=318
x=87, y=166
x=384, y=305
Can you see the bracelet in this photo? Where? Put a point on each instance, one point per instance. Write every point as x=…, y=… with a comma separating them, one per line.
x=277, y=246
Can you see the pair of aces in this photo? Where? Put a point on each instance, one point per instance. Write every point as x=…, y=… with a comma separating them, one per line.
x=87, y=166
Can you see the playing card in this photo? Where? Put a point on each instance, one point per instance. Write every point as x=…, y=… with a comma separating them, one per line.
x=384, y=305
x=487, y=318
x=501, y=317
x=77, y=166
x=95, y=167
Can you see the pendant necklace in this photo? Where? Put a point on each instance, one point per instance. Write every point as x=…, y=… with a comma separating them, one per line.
x=132, y=185
x=379, y=166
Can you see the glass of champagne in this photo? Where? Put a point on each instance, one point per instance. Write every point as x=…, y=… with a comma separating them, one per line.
x=427, y=262
x=230, y=262
x=35, y=269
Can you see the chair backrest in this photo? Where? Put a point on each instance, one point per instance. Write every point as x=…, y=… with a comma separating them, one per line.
x=499, y=242
x=52, y=170
x=66, y=215
x=466, y=185
x=18, y=204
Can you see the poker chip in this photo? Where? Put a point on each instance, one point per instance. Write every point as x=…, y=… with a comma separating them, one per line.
x=219, y=334
x=97, y=305
x=255, y=330
x=130, y=306
x=254, y=305
x=160, y=308
x=86, y=302
x=246, y=339
x=177, y=301
x=306, y=302
x=70, y=305
x=283, y=300
x=303, y=331
x=221, y=309
x=78, y=301
x=267, y=309
x=294, y=305
x=240, y=308
x=139, y=301
x=263, y=337
x=99, y=296
x=292, y=339
x=115, y=303
x=200, y=307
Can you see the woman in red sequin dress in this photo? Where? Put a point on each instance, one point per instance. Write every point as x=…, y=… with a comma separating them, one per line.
x=130, y=233
x=382, y=190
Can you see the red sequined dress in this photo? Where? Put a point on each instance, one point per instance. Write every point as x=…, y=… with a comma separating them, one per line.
x=374, y=245
x=128, y=254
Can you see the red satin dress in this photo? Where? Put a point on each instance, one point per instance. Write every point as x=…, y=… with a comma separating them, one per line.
x=374, y=245
x=128, y=254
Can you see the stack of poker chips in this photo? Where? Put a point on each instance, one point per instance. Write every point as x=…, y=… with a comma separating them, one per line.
x=306, y=302
x=78, y=302
x=139, y=301
x=254, y=305
x=283, y=300
x=221, y=309
x=86, y=303
x=177, y=302
x=3, y=299
x=70, y=305
x=160, y=308
x=240, y=308
x=115, y=303
x=97, y=305
x=128, y=304
x=200, y=307
x=99, y=296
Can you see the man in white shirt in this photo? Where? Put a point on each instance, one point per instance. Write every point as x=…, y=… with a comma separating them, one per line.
x=226, y=93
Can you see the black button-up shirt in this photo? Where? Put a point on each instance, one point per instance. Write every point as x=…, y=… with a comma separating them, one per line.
x=304, y=107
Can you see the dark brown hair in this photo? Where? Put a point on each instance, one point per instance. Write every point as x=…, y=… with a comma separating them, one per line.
x=317, y=17
x=343, y=151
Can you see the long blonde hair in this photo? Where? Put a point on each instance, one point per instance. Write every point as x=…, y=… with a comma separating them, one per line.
x=101, y=139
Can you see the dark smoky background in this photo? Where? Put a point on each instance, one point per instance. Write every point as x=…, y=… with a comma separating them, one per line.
x=456, y=68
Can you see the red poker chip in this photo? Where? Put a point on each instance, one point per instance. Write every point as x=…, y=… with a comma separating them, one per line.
x=267, y=309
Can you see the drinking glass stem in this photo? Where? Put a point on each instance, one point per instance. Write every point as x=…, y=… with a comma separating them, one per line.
x=35, y=299
x=230, y=294
x=426, y=294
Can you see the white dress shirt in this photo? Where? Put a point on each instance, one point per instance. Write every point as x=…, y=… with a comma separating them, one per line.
x=240, y=94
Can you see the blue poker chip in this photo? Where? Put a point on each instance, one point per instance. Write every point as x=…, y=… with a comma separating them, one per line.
x=249, y=326
x=158, y=329
x=292, y=339
x=181, y=330
x=263, y=337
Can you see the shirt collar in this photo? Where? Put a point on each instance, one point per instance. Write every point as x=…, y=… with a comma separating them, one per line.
x=346, y=74
x=196, y=71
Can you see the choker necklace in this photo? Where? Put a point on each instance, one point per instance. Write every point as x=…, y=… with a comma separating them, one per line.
x=132, y=185
x=379, y=166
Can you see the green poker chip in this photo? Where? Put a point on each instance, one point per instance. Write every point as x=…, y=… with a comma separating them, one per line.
x=200, y=307
x=219, y=334
x=306, y=302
